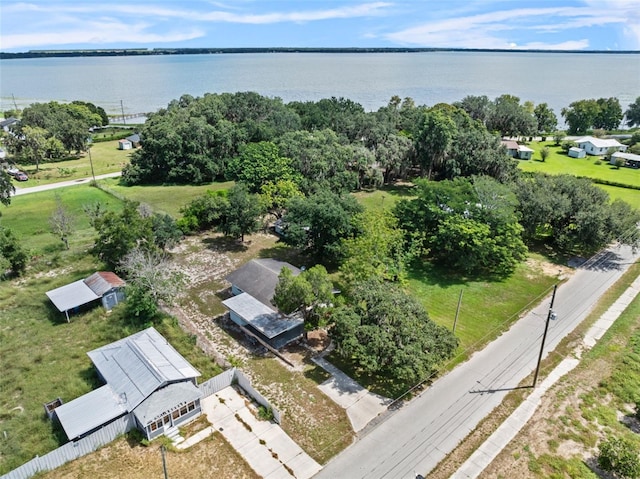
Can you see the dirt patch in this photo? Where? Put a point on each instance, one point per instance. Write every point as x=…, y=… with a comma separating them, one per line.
x=550, y=269
x=213, y=457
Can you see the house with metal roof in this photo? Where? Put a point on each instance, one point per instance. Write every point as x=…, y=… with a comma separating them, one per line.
x=263, y=323
x=102, y=286
x=145, y=379
x=630, y=160
x=259, y=278
x=599, y=146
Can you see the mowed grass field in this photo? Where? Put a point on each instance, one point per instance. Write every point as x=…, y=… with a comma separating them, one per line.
x=167, y=199
x=590, y=167
x=105, y=156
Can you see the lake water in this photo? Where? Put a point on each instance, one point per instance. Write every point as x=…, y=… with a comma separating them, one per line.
x=147, y=83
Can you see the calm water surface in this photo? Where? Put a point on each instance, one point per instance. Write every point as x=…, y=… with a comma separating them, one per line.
x=147, y=83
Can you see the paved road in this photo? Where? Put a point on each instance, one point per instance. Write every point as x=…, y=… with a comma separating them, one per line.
x=62, y=184
x=418, y=436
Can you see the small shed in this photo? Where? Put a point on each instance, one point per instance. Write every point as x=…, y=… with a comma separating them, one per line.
x=271, y=327
x=102, y=286
x=575, y=152
x=524, y=152
x=124, y=145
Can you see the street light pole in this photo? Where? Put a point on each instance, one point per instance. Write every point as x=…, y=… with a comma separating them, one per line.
x=544, y=335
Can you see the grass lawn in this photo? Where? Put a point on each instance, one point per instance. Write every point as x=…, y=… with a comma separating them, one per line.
x=560, y=163
x=28, y=216
x=320, y=427
x=487, y=307
x=46, y=357
x=385, y=198
x=105, y=156
x=165, y=199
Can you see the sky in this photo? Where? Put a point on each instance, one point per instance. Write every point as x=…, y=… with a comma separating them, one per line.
x=498, y=24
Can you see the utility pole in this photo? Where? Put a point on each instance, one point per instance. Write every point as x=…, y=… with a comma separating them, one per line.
x=164, y=463
x=122, y=109
x=93, y=175
x=544, y=335
x=455, y=321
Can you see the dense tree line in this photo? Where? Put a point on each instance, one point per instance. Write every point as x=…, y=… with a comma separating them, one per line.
x=50, y=131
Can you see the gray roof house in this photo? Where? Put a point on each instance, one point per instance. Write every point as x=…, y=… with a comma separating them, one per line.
x=253, y=286
x=269, y=326
x=146, y=378
x=259, y=278
x=103, y=285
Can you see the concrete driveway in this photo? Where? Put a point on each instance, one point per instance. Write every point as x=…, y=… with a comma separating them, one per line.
x=263, y=444
x=361, y=405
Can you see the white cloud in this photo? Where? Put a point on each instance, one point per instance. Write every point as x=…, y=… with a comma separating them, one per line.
x=498, y=29
x=97, y=33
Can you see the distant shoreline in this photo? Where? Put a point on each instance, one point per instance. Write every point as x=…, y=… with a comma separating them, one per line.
x=202, y=51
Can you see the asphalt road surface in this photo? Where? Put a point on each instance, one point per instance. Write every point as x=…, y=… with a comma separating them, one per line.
x=417, y=437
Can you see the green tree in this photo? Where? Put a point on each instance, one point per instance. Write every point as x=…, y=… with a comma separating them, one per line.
x=581, y=115
x=276, y=195
x=435, y=138
x=632, y=114
x=242, y=213
x=166, y=233
x=387, y=332
x=319, y=222
x=96, y=110
x=11, y=251
x=546, y=118
x=258, y=164
x=6, y=187
x=573, y=214
x=203, y=212
x=378, y=251
x=466, y=224
x=31, y=145
x=609, y=114
x=620, y=456
x=558, y=136
x=544, y=153
x=478, y=107
x=120, y=232
x=310, y=293
x=394, y=154
x=510, y=118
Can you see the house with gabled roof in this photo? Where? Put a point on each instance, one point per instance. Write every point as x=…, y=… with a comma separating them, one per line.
x=145, y=379
x=250, y=307
x=259, y=278
x=599, y=146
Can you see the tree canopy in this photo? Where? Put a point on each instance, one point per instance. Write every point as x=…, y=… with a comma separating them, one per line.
x=469, y=225
x=318, y=223
x=389, y=333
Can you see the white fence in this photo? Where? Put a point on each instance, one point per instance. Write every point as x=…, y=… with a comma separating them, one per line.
x=103, y=436
x=74, y=449
x=217, y=383
x=245, y=384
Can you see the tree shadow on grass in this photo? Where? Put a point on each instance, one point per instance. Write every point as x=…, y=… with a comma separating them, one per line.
x=429, y=273
x=225, y=244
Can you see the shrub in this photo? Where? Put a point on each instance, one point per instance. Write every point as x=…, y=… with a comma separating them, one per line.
x=621, y=457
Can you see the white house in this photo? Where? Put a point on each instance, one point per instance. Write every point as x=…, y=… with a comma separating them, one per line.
x=599, y=146
x=575, y=152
